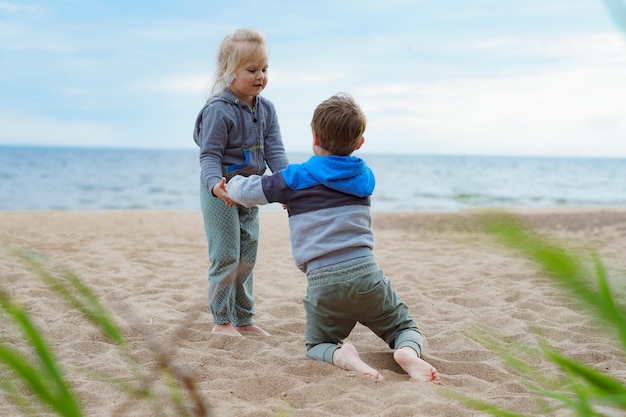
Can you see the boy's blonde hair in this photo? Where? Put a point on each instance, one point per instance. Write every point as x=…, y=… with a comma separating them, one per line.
x=339, y=124
x=236, y=48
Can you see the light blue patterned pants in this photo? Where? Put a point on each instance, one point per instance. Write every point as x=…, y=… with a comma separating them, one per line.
x=232, y=235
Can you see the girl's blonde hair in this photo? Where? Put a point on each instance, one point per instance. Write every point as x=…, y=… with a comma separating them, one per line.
x=236, y=48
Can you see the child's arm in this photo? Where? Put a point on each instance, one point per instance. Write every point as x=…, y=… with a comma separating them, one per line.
x=247, y=191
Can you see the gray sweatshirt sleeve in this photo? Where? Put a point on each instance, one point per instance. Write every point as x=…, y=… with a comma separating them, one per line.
x=274, y=149
x=211, y=135
x=247, y=191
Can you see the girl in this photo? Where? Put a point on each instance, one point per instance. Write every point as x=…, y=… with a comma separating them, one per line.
x=238, y=134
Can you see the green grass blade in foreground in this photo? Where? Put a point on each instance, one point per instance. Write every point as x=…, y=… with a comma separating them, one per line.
x=613, y=313
x=485, y=406
x=22, y=369
x=74, y=291
x=95, y=312
x=578, y=387
x=176, y=394
x=565, y=267
x=12, y=390
x=70, y=287
x=519, y=358
x=603, y=387
x=41, y=375
x=617, y=10
x=76, y=294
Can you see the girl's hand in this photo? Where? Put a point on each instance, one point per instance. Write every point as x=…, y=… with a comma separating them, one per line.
x=219, y=190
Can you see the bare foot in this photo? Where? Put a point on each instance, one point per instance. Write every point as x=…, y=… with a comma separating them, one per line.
x=253, y=329
x=346, y=357
x=225, y=329
x=416, y=367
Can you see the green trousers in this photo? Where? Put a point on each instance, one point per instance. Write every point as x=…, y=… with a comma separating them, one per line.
x=232, y=235
x=339, y=296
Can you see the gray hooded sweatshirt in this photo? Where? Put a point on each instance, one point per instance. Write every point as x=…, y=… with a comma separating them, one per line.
x=328, y=201
x=237, y=140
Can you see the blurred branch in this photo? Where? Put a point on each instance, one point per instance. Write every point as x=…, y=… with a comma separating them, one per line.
x=35, y=381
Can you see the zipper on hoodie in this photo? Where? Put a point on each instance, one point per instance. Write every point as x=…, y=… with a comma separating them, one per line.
x=261, y=164
x=260, y=159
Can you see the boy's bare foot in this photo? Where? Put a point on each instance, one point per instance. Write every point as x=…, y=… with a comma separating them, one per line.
x=253, y=329
x=225, y=329
x=416, y=367
x=346, y=357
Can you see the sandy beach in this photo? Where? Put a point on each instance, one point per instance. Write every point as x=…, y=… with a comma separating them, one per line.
x=149, y=268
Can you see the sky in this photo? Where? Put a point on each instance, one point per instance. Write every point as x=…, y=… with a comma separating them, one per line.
x=475, y=77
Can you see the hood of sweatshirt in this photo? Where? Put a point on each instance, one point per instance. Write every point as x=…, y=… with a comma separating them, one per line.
x=225, y=97
x=347, y=174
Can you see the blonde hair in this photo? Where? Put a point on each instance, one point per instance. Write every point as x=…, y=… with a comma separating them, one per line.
x=339, y=124
x=235, y=49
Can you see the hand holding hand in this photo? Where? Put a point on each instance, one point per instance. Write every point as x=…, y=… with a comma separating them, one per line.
x=219, y=190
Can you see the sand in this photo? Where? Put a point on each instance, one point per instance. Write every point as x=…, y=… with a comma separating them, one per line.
x=149, y=269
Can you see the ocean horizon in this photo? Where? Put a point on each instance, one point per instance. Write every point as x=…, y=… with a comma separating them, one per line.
x=72, y=178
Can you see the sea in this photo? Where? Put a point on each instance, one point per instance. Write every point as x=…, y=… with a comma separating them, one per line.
x=59, y=178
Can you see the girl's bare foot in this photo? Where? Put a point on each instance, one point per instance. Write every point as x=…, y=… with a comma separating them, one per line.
x=225, y=329
x=253, y=329
x=416, y=367
x=346, y=357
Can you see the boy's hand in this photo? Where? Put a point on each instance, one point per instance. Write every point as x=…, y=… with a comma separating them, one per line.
x=219, y=190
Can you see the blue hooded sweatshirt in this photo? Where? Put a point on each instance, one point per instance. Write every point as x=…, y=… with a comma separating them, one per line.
x=328, y=200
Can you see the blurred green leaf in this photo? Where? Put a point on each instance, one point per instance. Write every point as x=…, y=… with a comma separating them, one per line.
x=617, y=10
x=576, y=386
x=42, y=375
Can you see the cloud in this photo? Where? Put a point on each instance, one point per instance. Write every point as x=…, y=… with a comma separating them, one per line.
x=19, y=37
x=568, y=104
x=174, y=84
x=289, y=79
x=430, y=79
x=563, y=112
x=15, y=8
x=26, y=129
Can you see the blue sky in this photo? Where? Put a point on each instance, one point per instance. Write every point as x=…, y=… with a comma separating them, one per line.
x=533, y=77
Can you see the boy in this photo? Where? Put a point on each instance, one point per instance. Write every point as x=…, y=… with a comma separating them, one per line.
x=328, y=201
